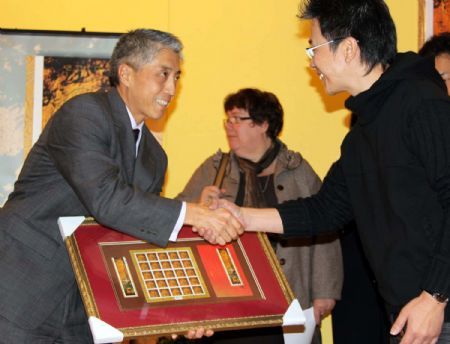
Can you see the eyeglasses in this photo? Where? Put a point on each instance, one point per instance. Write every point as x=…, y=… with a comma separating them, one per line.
x=310, y=50
x=235, y=120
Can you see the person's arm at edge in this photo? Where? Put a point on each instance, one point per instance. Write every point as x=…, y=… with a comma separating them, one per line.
x=424, y=315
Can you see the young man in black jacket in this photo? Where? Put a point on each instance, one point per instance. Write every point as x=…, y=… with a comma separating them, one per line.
x=393, y=175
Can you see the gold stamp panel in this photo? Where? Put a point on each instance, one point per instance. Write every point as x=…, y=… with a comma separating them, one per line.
x=169, y=274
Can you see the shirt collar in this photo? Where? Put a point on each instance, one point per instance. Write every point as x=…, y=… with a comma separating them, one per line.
x=133, y=121
x=135, y=126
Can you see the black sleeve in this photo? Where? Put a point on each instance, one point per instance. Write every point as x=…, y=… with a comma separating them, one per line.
x=429, y=139
x=327, y=211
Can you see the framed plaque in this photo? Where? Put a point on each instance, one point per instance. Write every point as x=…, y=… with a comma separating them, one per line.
x=141, y=289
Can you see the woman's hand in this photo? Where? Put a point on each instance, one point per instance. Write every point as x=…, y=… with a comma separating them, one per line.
x=210, y=196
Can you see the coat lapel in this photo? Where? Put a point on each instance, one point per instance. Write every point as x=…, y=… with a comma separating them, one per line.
x=147, y=170
x=151, y=163
x=124, y=133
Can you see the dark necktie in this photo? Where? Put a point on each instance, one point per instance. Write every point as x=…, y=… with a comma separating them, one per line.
x=136, y=134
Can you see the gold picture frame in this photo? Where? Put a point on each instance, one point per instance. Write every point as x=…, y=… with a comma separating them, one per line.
x=140, y=290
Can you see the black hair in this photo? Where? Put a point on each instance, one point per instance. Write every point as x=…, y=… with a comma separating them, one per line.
x=436, y=45
x=368, y=21
x=139, y=47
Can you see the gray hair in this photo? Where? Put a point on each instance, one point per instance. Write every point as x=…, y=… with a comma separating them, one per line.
x=139, y=47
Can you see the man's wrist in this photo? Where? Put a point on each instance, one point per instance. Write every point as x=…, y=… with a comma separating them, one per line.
x=193, y=212
x=439, y=297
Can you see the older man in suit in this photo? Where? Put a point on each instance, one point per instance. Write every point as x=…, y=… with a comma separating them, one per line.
x=89, y=162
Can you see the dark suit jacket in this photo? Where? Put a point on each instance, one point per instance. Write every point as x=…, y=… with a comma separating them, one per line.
x=83, y=164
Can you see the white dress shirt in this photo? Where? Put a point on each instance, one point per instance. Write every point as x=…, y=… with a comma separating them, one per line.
x=182, y=215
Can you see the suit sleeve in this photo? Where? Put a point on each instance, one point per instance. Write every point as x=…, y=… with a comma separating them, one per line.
x=84, y=148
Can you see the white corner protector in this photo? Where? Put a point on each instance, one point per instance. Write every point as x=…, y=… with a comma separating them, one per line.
x=68, y=224
x=103, y=332
x=294, y=315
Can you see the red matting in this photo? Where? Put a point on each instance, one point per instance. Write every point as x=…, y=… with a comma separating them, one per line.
x=271, y=299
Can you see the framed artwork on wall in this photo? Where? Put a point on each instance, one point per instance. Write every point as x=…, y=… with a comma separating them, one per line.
x=139, y=289
x=434, y=18
x=22, y=74
x=53, y=80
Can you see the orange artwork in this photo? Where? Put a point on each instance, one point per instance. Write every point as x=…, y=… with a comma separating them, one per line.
x=123, y=274
x=66, y=77
x=223, y=269
x=441, y=16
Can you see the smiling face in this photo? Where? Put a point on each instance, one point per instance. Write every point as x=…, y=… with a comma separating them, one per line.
x=328, y=64
x=247, y=139
x=147, y=91
x=442, y=64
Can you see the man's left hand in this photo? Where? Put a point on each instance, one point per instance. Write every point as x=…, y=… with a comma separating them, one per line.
x=423, y=317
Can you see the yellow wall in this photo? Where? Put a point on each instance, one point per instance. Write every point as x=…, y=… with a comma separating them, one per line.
x=228, y=45
x=257, y=43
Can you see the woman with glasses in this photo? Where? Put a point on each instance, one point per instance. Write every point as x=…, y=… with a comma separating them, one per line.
x=263, y=172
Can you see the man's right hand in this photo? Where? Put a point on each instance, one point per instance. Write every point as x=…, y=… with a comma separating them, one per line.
x=218, y=226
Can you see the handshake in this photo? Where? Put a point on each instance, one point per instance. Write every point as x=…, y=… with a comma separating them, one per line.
x=217, y=220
